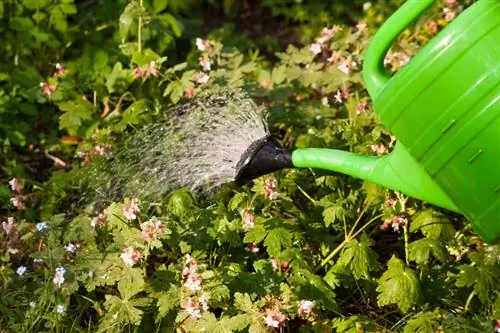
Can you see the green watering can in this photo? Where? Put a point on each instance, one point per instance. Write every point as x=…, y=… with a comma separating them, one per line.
x=444, y=109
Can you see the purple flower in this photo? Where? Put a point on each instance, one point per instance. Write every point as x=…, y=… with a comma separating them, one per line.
x=21, y=270
x=70, y=247
x=61, y=308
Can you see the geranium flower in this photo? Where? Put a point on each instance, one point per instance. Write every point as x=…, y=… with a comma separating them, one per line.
x=130, y=256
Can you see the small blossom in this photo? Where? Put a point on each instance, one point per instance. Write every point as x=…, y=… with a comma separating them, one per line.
x=403, y=59
x=152, y=70
x=315, y=48
x=449, y=14
x=252, y=247
x=274, y=318
x=380, y=149
x=16, y=184
x=21, y=270
x=201, y=78
x=60, y=70
x=98, y=220
x=151, y=230
x=361, y=26
x=432, y=27
x=99, y=151
x=391, y=202
x=389, y=57
x=32, y=304
x=137, y=73
x=70, y=247
x=189, y=93
x=248, y=219
x=58, y=279
x=204, y=301
x=205, y=63
x=90, y=275
x=338, y=97
x=132, y=209
x=60, y=308
x=193, y=283
x=12, y=250
x=202, y=44
x=9, y=227
x=345, y=67
x=325, y=35
x=18, y=202
x=334, y=57
x=38, y=260
x=276, y=264
x=48, y=89
x=367, y=5
x=41, y=227
x=130, y=256
x=193, y=309
x=305, y=308
x=398, y=221
x=497, y=326
x=450, y=2
x=269, y=189
x=361, y=107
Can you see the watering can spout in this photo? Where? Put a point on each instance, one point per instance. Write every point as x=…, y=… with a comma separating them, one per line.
x=397, y=171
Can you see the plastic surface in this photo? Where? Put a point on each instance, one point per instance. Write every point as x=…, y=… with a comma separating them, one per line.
x=444, y=108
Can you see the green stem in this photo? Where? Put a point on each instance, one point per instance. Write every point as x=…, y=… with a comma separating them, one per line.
x=469, y=299
x=139, y=29
x=306, y=195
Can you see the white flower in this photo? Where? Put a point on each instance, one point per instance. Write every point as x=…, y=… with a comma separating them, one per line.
x=202, y=78
x=315, y=48
x=205, y=63
x=9, y=227
x=16, y=184
x=58, y=279
x=132, y=209
x=193, y=284
x=61, y=308
x=32, y=304
x=130, y=256
x=367, y=5
x=41, y=227
x=344, y=67
x=21, y=270
x=70, y=247
x=201, y=44
x=305, y=308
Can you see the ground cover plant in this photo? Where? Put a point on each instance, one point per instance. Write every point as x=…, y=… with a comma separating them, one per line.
x=295, y=251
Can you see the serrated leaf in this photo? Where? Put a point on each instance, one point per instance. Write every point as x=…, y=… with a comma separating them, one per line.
x=256, y=234
x=74, y=114
x=484, y=278
x=277, y=239
x=333, y=213
x=425, y=322
x=243, y=302
x=432, y=225
x=237, y=200
x=180, y=202
x=358, y=257
x=127, y=18
x=399, y=285
x=420, y=251
x=131, y=283
x=167, y=301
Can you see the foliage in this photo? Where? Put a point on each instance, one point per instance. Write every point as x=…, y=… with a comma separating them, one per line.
x=297, y=251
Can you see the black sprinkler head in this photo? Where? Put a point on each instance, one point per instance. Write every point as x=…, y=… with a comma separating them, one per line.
x=262, y=157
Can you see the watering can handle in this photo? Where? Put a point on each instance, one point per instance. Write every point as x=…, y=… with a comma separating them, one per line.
x=374, y=73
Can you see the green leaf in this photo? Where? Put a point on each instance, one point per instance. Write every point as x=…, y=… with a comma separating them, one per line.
x=277, y=239
x=424, y=322
x=334, y=213
x=420, y=251
x=399, y=285
x=175, y=89
x=256, y=234
x=484, y=278
x=180, y=202
x=127, y=18
x=119, y=79
x=237, y=201
x=131, y=283
x=432, y=225
x=168, y=301
x=358, y=257
x=133, y=115
x=353, y=324
x=74, y=113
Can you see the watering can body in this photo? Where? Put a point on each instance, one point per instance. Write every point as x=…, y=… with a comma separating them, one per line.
x=444, y=109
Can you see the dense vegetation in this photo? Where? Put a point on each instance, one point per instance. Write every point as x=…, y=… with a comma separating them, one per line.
x=296, y=251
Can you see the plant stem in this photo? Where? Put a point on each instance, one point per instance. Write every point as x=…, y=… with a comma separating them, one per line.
x=306, y=195
x=139, y=29
x=405, y=229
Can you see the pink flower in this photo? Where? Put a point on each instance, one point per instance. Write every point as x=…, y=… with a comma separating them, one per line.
x=151, y=230
x=391, y=202
x=189, y=93
x=385, y=225
x=205, y=63
x=334, y=57
x=16, y=185
x=315, y=48
x=449, y=14
x=99, y=151
x=274, y=318
x=130, y=256
x=201, y=78
x=48, y=89
x=152, y=70
x=204, y=301
x=98, y=220
x=9, y=227
x=361, y=107
x=248, y=219
x=450, y=2
x=397, y=221
x=269, y=189
x=276, y=264
x=18, y=202
x=325, y=35
x=389, y=57
x=60, y=70
x=202, y=44
x=497, y=326
x=193, y=309
x=193, y=283
x=305, y=308
x=132, y=209
x=137, y=73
